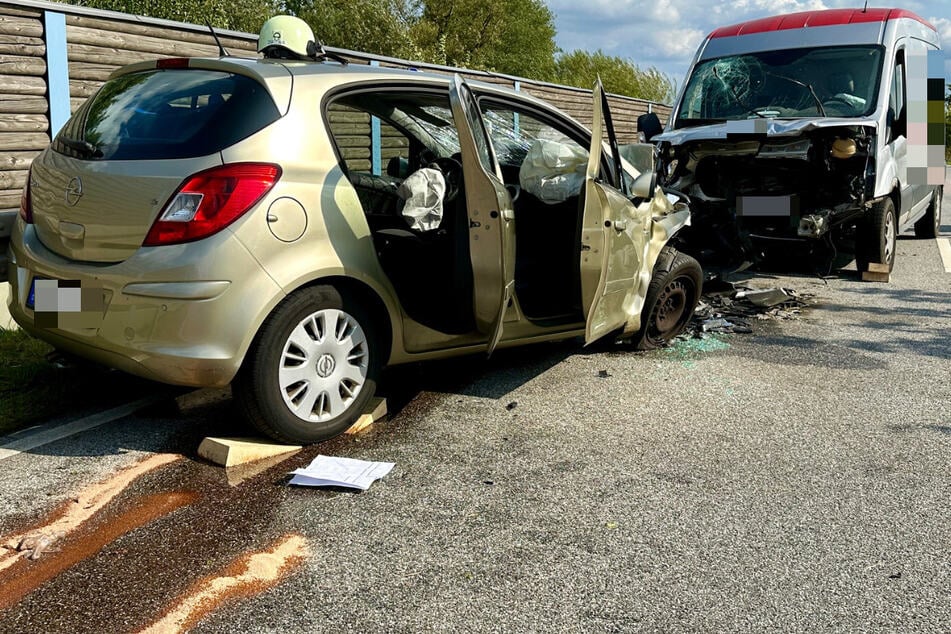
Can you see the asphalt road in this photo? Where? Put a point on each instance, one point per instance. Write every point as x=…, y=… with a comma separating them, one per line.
x=792, y=479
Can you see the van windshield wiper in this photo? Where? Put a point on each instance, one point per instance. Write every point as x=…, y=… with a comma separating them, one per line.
x=85, y=148
x=812, y=91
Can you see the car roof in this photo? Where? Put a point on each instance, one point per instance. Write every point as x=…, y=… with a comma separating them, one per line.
x=279, y=75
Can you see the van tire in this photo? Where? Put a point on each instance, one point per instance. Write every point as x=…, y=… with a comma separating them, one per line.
x=319, y=343
x=877, y=237
x=929, y=225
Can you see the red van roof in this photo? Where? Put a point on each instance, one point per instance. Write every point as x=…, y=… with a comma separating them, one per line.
x=805, y=19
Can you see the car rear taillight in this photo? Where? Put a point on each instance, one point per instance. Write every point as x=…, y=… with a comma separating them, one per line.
x=26, y=200
x=209, y=201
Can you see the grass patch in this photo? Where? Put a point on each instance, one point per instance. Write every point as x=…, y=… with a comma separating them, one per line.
x=32, y=389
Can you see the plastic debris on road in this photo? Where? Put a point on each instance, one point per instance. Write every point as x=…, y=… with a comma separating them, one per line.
x=331, y=471
x=729, y=309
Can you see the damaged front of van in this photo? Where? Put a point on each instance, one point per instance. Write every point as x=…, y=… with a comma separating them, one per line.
x=800, y=129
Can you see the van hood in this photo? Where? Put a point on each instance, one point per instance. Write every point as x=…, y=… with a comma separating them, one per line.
x=769, y=127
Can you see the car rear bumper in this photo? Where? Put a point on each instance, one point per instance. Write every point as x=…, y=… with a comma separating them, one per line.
x=171, y=314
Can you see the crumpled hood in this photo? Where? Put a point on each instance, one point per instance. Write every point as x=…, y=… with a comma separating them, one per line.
x=769, y=127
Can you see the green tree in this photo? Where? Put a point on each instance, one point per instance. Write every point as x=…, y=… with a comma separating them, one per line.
x=237, y=15
x=516, y=37
x=381, y=27
x=619, y=75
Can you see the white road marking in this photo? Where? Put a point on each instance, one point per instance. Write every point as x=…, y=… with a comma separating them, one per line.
x=44, y=434
x=944, y=248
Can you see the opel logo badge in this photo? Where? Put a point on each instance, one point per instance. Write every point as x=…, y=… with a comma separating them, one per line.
x=325, y=366
x=74, y=191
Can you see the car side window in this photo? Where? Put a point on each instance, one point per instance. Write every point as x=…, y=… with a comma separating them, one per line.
x=533, y=153
x=359, y=135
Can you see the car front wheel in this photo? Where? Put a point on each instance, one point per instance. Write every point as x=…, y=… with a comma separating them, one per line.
x=312, y=368
x=672, y=296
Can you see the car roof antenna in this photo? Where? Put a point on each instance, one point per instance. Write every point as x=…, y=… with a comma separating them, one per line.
x=865, y=10
x=221, y=49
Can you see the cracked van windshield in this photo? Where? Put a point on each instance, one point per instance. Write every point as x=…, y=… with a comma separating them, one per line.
x=804, y=82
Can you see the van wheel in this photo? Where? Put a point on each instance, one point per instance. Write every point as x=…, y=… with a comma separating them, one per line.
x=929, y=225
x=877, y=237
x=312, y=369
x=672, y=296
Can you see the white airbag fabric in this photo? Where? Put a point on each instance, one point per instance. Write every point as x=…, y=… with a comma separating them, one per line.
x=423, y=193
x=553, y=171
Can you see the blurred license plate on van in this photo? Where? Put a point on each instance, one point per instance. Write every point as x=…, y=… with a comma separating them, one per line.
x=766, y=206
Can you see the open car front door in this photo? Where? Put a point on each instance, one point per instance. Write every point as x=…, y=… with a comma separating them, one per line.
x=491, y=217
x=615, y=240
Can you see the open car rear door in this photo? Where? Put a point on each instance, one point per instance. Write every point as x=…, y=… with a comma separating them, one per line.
x=615, y=238
x=491, y=217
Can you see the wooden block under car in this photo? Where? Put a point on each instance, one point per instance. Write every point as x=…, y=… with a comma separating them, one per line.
x=229, y=452
x=876, y=273
x=374, y=412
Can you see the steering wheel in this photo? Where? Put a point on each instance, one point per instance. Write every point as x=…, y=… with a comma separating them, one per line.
x=452, y=171
x=839, y=104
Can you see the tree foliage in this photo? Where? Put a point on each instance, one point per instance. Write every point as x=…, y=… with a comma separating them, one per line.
x=237, y=15
x=514, y=37
x=381, y=27
x=619, y=75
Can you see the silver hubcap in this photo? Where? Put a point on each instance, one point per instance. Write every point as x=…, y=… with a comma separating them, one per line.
x=889, y=237
x=323, y=365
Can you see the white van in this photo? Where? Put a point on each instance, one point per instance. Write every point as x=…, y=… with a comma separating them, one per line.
x=811, y=128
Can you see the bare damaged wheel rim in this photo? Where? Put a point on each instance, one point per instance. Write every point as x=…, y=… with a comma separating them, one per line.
x=889, y=237
x=671, y=305
x=323, y=365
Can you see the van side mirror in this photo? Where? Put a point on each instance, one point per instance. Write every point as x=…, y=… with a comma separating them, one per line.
x=649, y=125
x=644, y=185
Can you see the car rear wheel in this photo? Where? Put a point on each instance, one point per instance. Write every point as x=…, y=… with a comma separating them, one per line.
x=877, y=237
x=929, y=225
x=672, y=296
x=312, y=368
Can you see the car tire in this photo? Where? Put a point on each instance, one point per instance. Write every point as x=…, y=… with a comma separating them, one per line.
x=929, y=225
x=312, y=368
x=672, y=296
x=877, y=237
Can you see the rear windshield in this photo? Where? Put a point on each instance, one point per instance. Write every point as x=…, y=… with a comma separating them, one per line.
x=167, y=114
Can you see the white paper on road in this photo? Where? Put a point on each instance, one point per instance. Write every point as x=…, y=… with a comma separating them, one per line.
x=330, y=471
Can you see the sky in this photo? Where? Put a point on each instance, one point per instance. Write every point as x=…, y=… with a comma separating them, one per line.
x=666, y=33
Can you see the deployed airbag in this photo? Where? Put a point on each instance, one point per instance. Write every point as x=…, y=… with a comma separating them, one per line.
x=553, y=171
x=423, y=193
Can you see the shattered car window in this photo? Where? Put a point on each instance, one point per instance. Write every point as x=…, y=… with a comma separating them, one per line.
x=513, y=134
x=804, y=82
x=437, y=121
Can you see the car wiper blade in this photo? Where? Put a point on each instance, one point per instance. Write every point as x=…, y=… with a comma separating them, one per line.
x=82, y=146
x=812, y=91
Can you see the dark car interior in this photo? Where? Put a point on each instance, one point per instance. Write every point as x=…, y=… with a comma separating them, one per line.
x=431, y=270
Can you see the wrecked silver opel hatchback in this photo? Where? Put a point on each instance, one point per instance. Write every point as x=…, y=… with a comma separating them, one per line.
x=807, y=128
